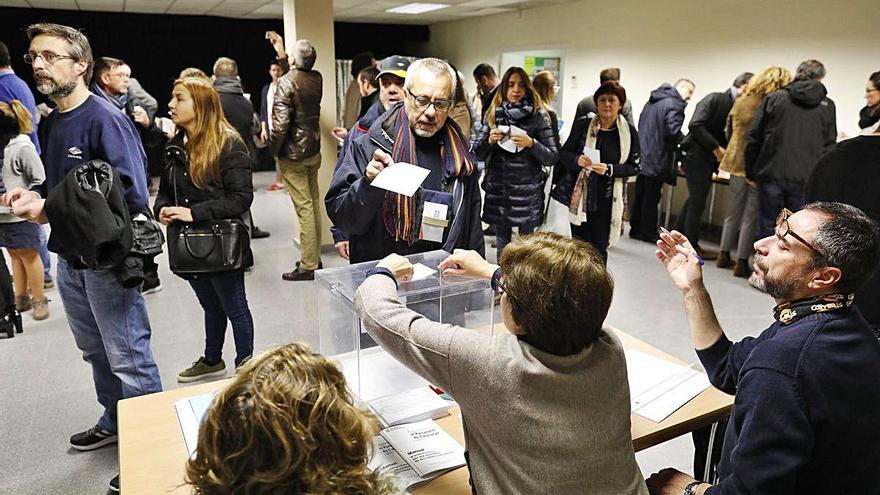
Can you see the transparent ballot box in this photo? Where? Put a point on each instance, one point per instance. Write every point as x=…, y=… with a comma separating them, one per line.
x=370, y=371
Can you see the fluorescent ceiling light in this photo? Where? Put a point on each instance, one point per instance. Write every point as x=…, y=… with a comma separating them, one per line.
x=417, y=8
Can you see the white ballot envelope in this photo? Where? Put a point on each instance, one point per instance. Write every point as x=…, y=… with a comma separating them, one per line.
x=401, y=177
x=505, y=142
x=594, y=155
x=433, y=221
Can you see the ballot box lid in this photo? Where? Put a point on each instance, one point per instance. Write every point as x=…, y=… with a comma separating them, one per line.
x=345, y=280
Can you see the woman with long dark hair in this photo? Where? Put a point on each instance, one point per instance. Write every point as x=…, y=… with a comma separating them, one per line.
x=208, y=177
x=514, y=181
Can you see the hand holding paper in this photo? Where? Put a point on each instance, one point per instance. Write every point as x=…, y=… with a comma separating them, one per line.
x=400, y=177
x=506, y=143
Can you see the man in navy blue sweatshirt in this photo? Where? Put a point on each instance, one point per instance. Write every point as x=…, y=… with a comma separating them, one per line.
x=109, y=322
x=805, y=416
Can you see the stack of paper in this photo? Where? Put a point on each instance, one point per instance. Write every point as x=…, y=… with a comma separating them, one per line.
x=658, y=387
x=410, y=406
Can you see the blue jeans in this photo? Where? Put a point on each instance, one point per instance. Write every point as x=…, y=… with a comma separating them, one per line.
x=223, y=297
x=111, y=327
x=772, y=198
x=44, y=255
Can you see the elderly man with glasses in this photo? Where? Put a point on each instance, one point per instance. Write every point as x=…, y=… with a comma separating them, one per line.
x=804, y=417
x=444, y=213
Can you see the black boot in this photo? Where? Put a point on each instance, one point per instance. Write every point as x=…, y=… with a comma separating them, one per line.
x=10, y=324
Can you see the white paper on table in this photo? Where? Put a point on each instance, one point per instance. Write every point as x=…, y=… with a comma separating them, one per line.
x=386, y=461
x=594, y=155
x=190, y=413
x=401, y=177
x=505, y=142
x=425, y=447
x=659, y=387
x=421, y=271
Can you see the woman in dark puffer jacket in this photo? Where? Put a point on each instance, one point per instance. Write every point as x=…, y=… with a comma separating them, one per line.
x=514, y=181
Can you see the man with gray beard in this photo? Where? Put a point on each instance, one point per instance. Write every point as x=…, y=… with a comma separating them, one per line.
x=415, y=131
x=804, y=416
x=109, y=322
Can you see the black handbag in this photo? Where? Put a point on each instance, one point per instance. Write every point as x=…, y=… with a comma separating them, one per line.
x=206, y=247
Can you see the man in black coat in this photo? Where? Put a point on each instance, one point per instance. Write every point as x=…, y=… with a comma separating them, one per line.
x=239, y=111
x=791, y=130
x=587, y=106
x=659, y=133
x=705, y=146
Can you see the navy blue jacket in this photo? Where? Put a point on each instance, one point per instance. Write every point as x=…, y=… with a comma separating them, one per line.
x=660, y=132
x=514, y=182
x=356, y=207
x=807, y=403
x=361, y=127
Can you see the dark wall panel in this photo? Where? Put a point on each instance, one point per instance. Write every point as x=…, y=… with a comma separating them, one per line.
x=158, y=46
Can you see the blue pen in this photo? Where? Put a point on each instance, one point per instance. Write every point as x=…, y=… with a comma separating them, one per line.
x=682, y=249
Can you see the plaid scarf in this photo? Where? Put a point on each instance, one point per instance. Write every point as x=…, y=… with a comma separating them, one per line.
x=399, y=211
x=508, y=113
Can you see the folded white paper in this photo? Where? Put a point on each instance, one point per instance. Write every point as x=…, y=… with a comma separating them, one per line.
x=509, y=131
x=401, y=177
x=421, y=271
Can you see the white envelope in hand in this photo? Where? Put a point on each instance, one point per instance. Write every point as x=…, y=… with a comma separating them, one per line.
x=594, y=155
x=401, y=177
x=505, y=142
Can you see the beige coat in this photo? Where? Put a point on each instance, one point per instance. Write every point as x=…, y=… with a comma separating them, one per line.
x=533, y=422
x=738, y=121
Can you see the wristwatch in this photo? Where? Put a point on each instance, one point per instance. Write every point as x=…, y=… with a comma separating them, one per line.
x=691, y=488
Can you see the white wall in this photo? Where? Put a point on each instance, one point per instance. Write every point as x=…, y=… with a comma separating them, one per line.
x=709, y=42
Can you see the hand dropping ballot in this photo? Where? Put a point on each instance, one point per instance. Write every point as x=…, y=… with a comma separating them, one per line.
x=505, y=142
x=401, y=178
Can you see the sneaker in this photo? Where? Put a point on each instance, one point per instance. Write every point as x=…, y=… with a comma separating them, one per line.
x=275, y=187
x=114, y=484
x=41, y=309
x=200, y=370
x=151, y=285
x=92, y=439
x=23, y=303
x=48, y=284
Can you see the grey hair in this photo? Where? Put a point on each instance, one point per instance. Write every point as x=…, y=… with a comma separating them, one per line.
x=435, y=67
x=225, y=67
x=80, y=49
x=848, y=240
x=304, y=55
x=810, y=70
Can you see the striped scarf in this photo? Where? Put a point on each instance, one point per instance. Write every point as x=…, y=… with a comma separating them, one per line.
x=399, y=211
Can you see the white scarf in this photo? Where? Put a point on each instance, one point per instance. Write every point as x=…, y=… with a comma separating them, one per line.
x=617, y=196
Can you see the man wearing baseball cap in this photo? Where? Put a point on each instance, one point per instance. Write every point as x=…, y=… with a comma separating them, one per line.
x=392, y=76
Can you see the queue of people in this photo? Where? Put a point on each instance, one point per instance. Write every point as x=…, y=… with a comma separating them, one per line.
x=814, y=241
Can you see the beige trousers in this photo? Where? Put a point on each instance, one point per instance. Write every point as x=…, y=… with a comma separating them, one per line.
x=301, y=179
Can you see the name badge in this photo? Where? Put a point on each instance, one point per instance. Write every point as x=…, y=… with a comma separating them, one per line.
x=435, y=210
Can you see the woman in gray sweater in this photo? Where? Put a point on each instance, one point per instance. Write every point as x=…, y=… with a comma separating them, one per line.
x=545, y=407
x=22, y=168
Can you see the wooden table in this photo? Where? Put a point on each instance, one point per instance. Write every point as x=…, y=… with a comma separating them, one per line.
x=152, y=452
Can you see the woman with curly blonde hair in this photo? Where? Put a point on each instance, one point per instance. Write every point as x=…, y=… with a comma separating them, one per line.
x=286, y=425
x=741, y=224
